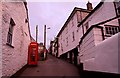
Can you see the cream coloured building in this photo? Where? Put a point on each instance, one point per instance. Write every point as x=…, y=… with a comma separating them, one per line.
x=68, y=39
x=98, y=46
x=93, y=41
x=15, y=36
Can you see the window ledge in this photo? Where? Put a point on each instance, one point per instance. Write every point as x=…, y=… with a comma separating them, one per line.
x=9, y=45
x=108, y=35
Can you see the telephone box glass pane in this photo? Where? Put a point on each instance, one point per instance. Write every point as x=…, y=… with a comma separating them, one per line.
x=32, y=55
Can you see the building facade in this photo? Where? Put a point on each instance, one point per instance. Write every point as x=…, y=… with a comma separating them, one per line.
x=40, y=51
x=54, y=47
x=15, y=36
x=94, y=33
x=51, y=48
x=89, y=37
x=68, y=39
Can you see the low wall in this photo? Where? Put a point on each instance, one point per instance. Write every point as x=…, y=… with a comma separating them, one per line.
x=106, y=56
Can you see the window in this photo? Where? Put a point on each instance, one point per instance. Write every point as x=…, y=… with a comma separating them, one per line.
x=86, y=26
x=118, y=10
x=67, y=41
x=117, y=3
x=66, y=30
x=25, y=33
x=111, y=30
x=10, y=32
x=119, y=21
x=73, y=36
x=77, y=30
x=72, y=22
x=61, y=47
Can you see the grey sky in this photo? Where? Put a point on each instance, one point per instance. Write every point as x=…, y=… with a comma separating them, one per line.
x=52, y=14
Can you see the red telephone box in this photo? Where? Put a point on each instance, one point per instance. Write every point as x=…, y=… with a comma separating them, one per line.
x=33, y=53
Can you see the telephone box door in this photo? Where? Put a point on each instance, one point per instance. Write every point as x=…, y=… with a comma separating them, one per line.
x=33, y=53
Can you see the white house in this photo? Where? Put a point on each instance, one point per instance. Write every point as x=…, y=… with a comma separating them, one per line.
x=68, y=39
x=15, y=33
x=90, y=37
x=96, y=52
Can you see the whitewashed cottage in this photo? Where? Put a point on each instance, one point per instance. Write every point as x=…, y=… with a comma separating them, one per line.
x=14, y=36
x=99, y=38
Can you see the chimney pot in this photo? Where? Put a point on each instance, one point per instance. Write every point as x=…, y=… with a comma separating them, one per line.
x=89, y=6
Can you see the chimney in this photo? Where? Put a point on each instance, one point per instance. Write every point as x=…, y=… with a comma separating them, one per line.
x=89, y=6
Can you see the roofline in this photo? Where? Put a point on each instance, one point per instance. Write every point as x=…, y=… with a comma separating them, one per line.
x=31, y=38
x=71, y=15
x=25, y=5
x=96, y=8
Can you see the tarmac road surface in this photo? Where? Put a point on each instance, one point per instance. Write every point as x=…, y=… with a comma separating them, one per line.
x=52, y=67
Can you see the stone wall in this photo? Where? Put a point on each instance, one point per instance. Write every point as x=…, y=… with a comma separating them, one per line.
x=15, y=58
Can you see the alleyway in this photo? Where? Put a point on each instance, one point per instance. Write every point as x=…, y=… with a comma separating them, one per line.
x=51, y=67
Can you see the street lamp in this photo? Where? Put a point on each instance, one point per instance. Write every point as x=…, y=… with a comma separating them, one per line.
x=45, y=53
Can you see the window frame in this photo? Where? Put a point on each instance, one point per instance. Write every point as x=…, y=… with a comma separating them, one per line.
x=111, y=30
x=10, y=33
x=72, y=21
x=73, y=36
x=67, y=41
x=86, y=26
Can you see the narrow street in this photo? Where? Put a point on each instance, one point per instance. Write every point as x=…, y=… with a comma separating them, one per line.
x=81, y=37
x=51, y=67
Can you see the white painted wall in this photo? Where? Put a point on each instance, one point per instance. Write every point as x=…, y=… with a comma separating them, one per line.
x=68, y=34
x=88, y=57
x=0, y=40
x=87, y=47
x=105, y=12
x=106, y=57
x=15, y=58
x=97, y=35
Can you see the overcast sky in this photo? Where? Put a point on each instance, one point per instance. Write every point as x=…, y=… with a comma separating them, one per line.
x=53, y=14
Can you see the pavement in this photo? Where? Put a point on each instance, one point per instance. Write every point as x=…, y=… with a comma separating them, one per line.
x=52, y=67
